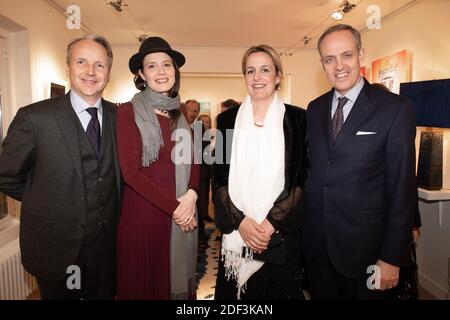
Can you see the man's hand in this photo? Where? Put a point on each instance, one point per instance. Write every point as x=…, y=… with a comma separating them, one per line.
x=389, y=275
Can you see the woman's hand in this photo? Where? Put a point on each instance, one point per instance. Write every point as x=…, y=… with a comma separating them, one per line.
x=184, y=213
x=191, y=226
x=268, y=227
x=254, y=235
x=416, y=234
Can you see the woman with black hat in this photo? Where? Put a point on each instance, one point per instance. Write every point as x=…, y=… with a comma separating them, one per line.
x=157, y=236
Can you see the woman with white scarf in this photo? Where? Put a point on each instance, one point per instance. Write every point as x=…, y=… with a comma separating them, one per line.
x=259, y=187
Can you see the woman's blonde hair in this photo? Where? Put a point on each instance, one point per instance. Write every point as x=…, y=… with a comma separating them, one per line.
x=273, y=54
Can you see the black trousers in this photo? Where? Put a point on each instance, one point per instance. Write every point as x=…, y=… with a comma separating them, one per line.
x=326, y=283
x=97, y=263
x=203, y=196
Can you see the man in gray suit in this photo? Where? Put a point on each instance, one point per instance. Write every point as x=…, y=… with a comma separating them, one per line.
x=59, y=160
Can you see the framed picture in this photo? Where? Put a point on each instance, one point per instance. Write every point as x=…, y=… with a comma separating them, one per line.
x=205, y=108
x=392, y=70
x=56, y=88
x=363, y=72
x=3, y=206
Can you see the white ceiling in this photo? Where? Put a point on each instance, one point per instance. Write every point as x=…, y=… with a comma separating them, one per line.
x=223, y=23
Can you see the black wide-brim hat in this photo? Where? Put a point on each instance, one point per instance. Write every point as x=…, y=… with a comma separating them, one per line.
x=152, y=45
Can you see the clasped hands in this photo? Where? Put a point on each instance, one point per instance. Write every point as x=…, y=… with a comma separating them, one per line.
x=256, y=236
x=184, y=214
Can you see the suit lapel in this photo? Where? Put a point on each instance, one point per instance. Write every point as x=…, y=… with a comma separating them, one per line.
x=288, y=133
x=361, y=109
x=111, y=119
x=65, y=117
x=106, y=131
x=325, y=113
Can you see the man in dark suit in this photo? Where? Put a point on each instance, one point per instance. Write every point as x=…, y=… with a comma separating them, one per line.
x=59, y=160
x=361, y=185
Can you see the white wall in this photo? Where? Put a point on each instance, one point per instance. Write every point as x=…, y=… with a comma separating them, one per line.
x=424, y=31
x=433, y=248
x=421, y=29
x=43, y=48
x=304, y=70
x=36, y=55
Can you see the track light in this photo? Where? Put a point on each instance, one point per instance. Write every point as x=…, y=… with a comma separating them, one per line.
x=344, y=7
x=117, y=5
x=142, y=38
x=347, y=6
x=336, y=15
x=306, y=40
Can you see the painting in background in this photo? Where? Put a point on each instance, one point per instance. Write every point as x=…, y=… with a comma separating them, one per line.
x=392, y=70
x=363, y=72
x=205, y=108
x=57, y=90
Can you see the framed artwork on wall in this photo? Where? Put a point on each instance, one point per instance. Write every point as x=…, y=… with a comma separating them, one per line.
x=363, y=72
x=392, y=70
x=56, y=88
x=205, y=108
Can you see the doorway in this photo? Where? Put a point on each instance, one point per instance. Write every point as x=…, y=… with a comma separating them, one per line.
x=3, y=203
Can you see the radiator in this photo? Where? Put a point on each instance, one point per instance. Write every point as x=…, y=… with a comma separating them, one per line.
x=15, y=282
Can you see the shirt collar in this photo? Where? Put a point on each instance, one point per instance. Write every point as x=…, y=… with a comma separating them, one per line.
x=79, y=105
x=353, y=93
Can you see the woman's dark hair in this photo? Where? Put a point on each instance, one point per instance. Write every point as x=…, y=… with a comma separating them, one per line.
x=141, y=84
x=230, y=103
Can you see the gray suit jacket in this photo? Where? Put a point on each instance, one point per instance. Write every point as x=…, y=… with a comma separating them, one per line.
x=40, y=165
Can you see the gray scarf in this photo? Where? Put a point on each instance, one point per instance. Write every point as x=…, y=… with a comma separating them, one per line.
x=146, y=120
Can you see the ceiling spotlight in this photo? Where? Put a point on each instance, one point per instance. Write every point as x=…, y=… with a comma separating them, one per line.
x=344, y=7
x=337, y=15
x=347, y=6
x=306, y=40
x=117, y=5
x=142, y=37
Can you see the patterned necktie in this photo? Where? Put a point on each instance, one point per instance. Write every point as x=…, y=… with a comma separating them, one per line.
x=93, y=130
x=338, y=118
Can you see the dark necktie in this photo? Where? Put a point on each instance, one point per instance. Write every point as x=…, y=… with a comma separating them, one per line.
x=93, y=130
x=338, y=118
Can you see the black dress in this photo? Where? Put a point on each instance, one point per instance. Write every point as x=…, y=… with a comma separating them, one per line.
x=282, y=277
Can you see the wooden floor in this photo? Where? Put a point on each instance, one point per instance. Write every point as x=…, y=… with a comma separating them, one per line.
x=208, y=269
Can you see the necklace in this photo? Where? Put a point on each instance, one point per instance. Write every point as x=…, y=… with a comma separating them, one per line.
x=258, y=124
x=162, y=112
